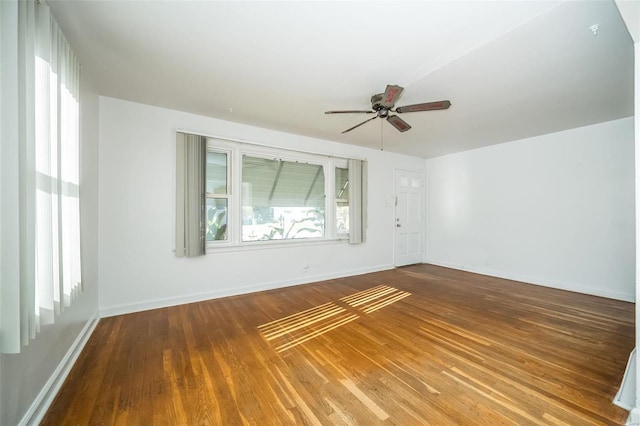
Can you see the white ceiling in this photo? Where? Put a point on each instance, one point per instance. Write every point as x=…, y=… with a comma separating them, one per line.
x=512, y=69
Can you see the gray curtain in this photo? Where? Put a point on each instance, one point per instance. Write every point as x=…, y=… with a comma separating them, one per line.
x=191, y=154
x=357, y=201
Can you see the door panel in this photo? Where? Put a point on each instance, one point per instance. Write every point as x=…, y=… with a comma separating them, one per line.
x=409, y=218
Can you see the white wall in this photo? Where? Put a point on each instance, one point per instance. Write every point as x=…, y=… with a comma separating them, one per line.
x=138, y=269
x=30, y=378
x=556, y=210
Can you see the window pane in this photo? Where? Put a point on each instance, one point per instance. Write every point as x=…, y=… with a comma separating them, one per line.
x=342, y=201
x=216, y=173
x=342, y=183
x=281, y=199
x=216, y=219
x=342, y=218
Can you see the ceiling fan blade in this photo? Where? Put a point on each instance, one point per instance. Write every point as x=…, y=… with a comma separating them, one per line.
x=429, y=106
x=355, y=111
x=358, y=125
x=398, y=123
x=391, y=95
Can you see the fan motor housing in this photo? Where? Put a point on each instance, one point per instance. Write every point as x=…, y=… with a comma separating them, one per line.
x=376, y=101
x=376, y=104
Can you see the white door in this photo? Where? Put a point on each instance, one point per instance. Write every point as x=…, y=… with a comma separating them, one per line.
x=409, y=217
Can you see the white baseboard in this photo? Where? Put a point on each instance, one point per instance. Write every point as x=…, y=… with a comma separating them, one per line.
x=626, y=396
x=634, y=418
x=41, y=403
x=128, y=308
x=537, y=281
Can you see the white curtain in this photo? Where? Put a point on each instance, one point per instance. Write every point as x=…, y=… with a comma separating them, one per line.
x=40, y=221
x=357, y=201
x=191, y=155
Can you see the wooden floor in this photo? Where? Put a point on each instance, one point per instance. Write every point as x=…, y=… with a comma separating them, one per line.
x=412, y=346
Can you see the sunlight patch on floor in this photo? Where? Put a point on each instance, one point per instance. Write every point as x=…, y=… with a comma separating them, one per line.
x=292, y=330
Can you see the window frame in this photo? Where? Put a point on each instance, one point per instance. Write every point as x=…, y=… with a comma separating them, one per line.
x=235, y=152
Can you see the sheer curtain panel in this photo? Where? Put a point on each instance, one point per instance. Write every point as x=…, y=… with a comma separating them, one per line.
x=40, y=221
x=191, y=155
x=357, y=201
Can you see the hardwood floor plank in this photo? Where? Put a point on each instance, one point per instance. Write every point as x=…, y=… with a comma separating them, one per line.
x=414, y=345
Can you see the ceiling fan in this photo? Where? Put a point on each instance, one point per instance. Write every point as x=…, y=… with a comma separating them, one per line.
x=382, y=104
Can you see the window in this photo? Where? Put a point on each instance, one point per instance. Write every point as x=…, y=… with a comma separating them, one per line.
x=232, y=194
x=342, y=201
x=217, y=195
x=257, y=195
x=282, y=199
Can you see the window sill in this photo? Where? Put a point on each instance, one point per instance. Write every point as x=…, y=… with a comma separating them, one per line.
x=269, y=245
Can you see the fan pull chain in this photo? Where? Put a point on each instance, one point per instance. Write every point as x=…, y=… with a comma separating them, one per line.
x=381, y=137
